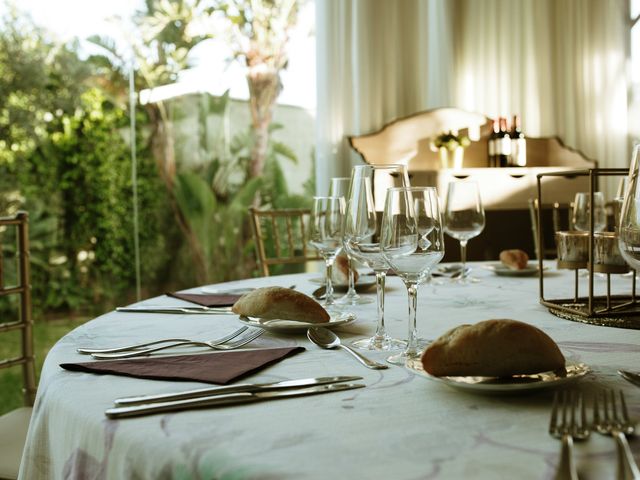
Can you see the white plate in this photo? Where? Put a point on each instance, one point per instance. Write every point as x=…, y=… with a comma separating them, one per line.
x=282, y=325
x=228, y=291
x=364, y=282
x=516, y=384
x=502, y=270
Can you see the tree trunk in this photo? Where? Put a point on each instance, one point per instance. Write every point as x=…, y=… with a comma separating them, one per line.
x=162, y=144
x=264, y=88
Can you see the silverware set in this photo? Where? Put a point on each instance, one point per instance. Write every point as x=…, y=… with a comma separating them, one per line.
x=232, y=395
x=245, y=334
x=569, y=423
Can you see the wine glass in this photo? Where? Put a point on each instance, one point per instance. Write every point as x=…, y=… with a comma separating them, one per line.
x=581, y=216
x=340, y=188
x=463, y=219
x=629, y=228
x=362, y=235
x=412, y=242
x=327, y=217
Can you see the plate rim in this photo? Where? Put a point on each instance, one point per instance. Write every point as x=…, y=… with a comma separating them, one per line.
x=350, y=318
x=503, y=270
x=502, y=388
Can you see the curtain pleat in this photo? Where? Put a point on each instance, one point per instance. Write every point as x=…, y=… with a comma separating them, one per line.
x=559, y=64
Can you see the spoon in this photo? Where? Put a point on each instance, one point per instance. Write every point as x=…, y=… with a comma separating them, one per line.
x=325, y=338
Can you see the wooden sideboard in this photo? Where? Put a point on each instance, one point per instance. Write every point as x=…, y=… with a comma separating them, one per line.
x=505, y=192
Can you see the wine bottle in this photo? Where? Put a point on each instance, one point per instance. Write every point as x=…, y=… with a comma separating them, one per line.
x=492, y=144
x=504, y=144
x=518, y=144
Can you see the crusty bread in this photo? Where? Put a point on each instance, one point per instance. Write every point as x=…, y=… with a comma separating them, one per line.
x=514, y=259
x=279, y=302
x=341, y=271
x=492, y=348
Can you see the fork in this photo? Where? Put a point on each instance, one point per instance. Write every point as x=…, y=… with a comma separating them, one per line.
x=214, y=344
x=565, y=426
x=126, y=348
x=615, y=422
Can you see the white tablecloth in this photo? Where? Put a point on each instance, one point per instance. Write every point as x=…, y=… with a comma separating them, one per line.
x=401, y=426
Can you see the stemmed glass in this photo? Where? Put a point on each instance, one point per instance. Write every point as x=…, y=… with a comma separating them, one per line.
x=340, y=188
x=463, y=219
x=629, y=228
x=362, y=235
x=582, y=212
x=327, y=218
x=412, y=242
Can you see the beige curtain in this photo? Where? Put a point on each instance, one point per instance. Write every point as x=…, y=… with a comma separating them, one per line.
x=560, y=64
x=373, y=59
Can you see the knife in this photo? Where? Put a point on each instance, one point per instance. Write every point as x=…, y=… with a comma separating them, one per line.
x=231, y=399
x=630, y=377
x=245, y=387
x=171, y=309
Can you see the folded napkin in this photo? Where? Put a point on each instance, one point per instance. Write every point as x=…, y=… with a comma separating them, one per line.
x=219, y=367
x=207, y=299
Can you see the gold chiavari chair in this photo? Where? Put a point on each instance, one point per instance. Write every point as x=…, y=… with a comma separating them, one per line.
x=281, y=237
x=14, y=245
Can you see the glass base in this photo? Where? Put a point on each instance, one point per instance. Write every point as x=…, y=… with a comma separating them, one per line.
x=402, y=357
x=380, y=345
x=354, y=299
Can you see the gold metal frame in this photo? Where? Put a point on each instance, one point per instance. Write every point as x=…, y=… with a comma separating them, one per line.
x=609, y=310
x=20, y=222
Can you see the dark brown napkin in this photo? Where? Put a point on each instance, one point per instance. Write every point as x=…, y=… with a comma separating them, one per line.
x=219, y=367
x=207, y=299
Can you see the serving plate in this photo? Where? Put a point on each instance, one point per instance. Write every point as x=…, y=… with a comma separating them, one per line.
x=517, y=384
x=282, y=325
x=226, y=291
x=365, y=282
x=504, y=271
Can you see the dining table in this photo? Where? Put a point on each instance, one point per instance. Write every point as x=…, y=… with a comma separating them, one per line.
x=401, y=425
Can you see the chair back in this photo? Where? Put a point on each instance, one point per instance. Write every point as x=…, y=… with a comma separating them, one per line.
x=14, y=247
x=281, y=237
x=558, y=216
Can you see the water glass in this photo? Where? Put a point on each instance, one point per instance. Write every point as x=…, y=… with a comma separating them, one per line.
x=327, y=218
x=412, y=243
x=464, y=219
x=362, y=235
x=581, y=217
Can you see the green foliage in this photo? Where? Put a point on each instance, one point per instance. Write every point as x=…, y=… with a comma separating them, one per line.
x=214, y=197
x=77, y=186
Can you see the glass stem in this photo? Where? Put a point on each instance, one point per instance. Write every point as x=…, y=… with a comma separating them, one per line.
x=380, y=335
x=463, y=258
x=412, y=339
x=352, y=279
x=328, y=299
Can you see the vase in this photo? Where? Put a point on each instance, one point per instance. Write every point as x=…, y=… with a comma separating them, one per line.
x=451, y=158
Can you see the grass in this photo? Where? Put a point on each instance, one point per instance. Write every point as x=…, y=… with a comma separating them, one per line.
x=45, y=335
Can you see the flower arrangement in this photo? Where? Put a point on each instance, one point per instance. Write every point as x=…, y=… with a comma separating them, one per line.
x=451, y=140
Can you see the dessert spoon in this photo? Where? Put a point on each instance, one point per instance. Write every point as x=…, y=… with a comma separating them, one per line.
x=325, y=338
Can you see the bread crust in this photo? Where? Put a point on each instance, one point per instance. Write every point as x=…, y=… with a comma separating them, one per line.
x=278, y=302
x=492, y=348
x=515, y=259
x=341, y=271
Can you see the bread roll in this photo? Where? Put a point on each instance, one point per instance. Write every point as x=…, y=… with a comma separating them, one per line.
x=493, y=348
x=514, y=259
x=278, y=302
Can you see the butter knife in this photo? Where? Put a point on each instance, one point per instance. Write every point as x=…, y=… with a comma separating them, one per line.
x=245, y=387
x=630, y=377
x=223, y=400
x=171, y=309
